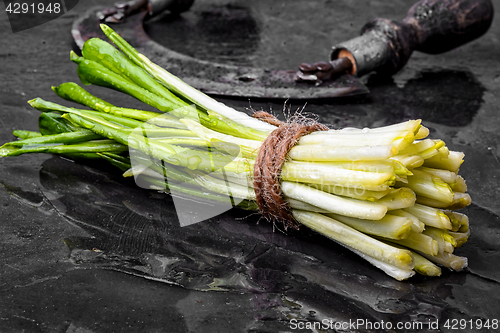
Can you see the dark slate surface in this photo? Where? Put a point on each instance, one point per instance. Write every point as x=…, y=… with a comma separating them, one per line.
x=84, y=250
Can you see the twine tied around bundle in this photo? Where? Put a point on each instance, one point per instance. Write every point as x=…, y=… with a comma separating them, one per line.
x=267, y=169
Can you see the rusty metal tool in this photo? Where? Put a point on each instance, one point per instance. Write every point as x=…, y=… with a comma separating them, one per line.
x=209, y=77
x=384, y=46
x=431, y=26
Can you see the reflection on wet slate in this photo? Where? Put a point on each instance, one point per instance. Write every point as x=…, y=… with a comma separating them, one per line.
x=418, y=99
x=301, y=275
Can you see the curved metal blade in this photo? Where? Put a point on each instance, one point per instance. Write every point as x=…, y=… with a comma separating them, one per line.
x=215, y=78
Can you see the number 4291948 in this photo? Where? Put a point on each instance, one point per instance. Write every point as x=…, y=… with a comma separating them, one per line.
x=32, y=8
x=471, y=324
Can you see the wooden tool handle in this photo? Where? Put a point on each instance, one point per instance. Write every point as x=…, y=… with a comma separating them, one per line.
x=441, y=25
x=431, y=26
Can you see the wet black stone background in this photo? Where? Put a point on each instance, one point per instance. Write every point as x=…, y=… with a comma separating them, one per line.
x=83, y=250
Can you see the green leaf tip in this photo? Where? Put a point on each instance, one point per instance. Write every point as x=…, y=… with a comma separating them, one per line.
x=106, y=29
x=33, y=101
x=6, y=150
x=75, y=57
x=122, y=44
